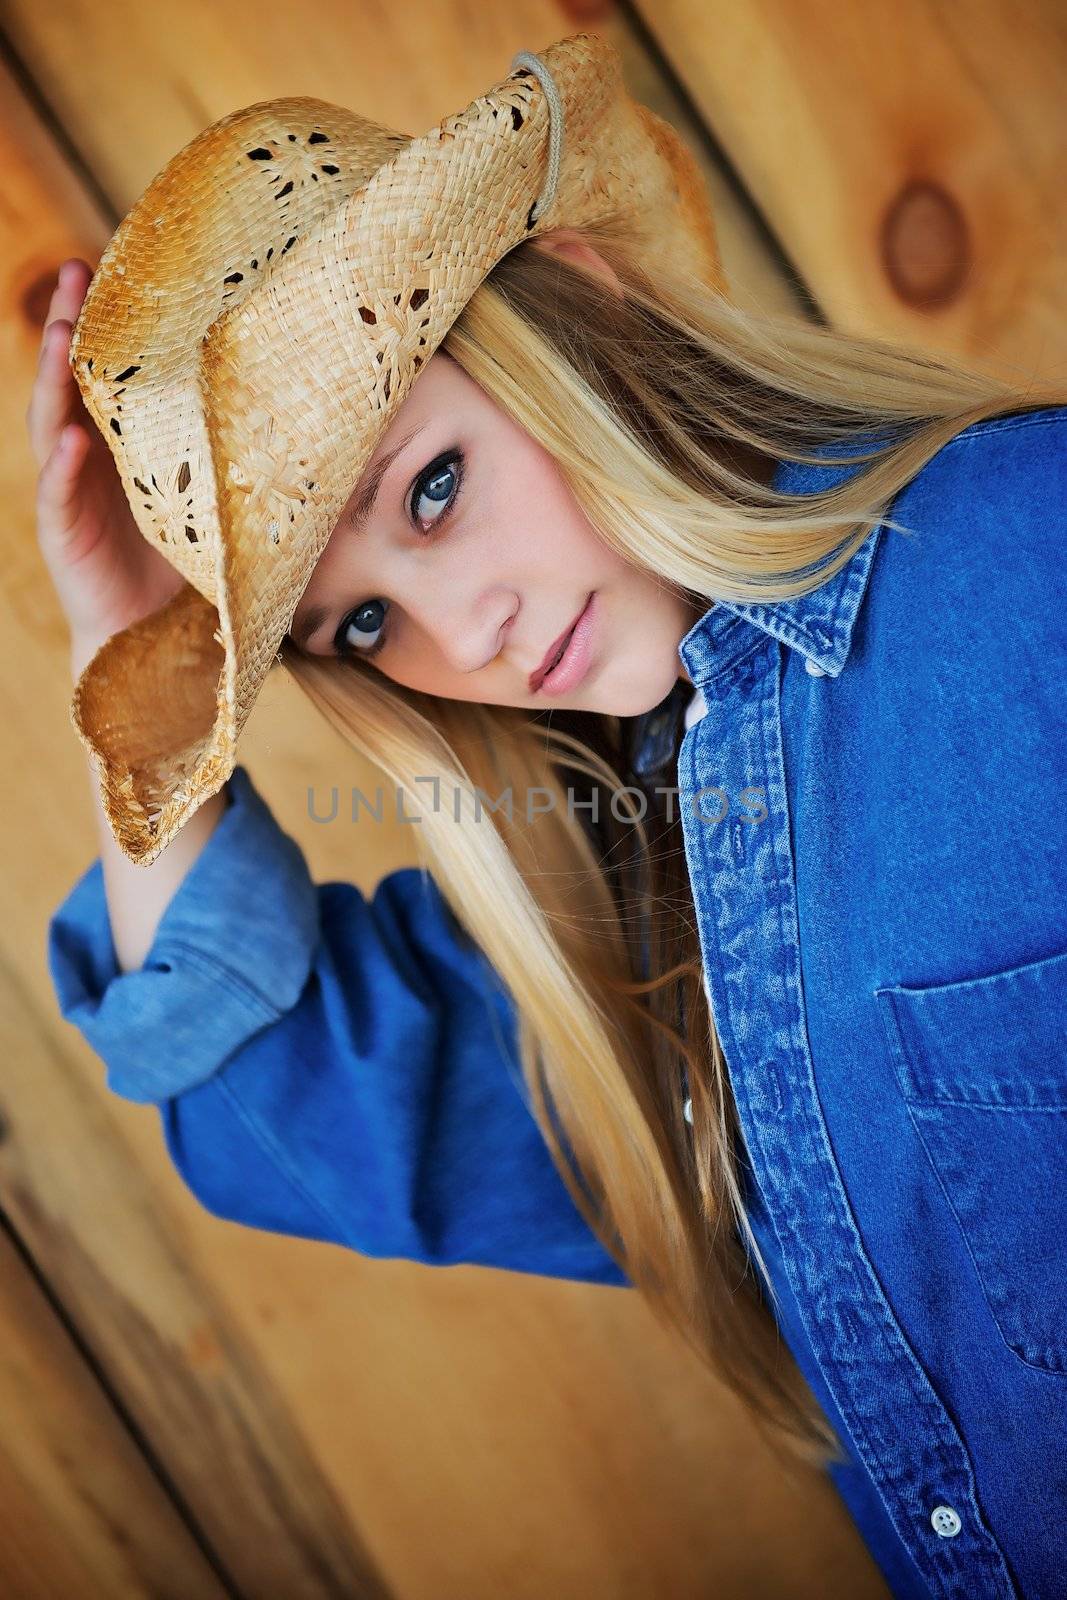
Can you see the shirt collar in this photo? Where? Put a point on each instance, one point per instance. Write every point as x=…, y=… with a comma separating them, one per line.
x=818, y=624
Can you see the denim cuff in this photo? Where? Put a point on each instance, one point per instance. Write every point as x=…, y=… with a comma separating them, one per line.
x=231, y=954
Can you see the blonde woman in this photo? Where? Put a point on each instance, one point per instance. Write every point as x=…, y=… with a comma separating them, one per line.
x=759, y=626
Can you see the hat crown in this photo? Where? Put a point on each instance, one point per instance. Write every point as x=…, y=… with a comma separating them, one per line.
x=205, y=236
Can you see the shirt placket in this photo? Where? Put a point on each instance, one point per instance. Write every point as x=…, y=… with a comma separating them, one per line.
x=736, y=828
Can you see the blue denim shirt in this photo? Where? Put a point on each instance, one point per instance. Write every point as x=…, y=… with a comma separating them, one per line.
x=872, y=809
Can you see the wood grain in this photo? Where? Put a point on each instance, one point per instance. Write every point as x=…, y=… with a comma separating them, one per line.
x=326, y=1424
x=82, y=1511
x=908, y=156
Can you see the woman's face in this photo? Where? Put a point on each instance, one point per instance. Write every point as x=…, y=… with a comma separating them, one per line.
x=474, y=559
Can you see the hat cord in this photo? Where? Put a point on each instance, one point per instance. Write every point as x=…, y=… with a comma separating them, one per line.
x=543, y=74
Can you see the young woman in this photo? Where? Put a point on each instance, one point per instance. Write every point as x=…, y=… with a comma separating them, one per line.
x=755, y=998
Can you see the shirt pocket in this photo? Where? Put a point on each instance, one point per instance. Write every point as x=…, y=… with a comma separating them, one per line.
x=982, y=1065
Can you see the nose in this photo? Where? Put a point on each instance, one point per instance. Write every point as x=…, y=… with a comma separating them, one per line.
x=471, y=630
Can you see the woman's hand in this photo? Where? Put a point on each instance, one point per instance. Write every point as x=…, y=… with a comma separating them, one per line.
x=105, y=572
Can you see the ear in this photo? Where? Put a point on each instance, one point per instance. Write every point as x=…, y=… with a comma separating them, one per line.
x=570, y=244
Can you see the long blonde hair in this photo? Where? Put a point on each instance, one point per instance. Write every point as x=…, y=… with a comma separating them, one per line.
x=592, y=928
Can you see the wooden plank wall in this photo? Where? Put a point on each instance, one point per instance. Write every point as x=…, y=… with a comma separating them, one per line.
x=196, y=1408
x=922, y=195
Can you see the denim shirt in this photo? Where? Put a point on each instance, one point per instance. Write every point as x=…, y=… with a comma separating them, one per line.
x=871, y=794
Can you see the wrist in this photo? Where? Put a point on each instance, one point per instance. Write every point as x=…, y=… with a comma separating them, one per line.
x=83, y=648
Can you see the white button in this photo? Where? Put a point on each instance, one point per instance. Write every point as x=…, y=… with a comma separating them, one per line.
x=814, y=668
x=687, y=1112
x=945, y=1522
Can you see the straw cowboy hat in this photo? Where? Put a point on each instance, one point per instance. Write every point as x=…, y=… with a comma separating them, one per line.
x=255, y=321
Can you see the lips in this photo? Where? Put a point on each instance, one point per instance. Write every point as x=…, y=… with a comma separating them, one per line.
x=553, y=652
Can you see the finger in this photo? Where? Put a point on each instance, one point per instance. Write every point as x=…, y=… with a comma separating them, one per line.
x=52, y=394
x=48, y=409
x=58, y=486
x=72, y=281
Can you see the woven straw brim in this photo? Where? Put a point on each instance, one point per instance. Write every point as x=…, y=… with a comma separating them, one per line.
x=252, y=327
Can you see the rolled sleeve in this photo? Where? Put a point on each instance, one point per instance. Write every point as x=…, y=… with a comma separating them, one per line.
x=209, y=982
x=326, y=1064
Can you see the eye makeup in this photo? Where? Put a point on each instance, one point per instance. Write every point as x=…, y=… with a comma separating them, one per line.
x=451, y=460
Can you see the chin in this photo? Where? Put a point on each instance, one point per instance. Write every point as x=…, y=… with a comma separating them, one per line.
x=635, y=699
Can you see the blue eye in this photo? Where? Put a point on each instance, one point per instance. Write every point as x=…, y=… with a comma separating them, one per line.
x=434, y=482
x=439, y=483
x=364, y=620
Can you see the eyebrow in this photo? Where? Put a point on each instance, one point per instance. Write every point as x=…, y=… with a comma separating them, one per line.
x=355, y=521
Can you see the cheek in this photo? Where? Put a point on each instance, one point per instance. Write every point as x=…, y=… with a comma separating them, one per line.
x=526, y=516
x=542, y=543
x=419, y=666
